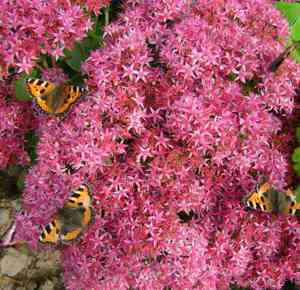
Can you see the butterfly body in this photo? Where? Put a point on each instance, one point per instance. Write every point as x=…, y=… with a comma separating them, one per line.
x=71, y=220
x=279, y=60
x=53, y=98
x=269, y=200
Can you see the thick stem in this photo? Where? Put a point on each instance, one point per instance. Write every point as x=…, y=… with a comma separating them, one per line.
x=106, y=13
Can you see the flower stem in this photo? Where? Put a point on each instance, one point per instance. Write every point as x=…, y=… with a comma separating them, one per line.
x=106, y=13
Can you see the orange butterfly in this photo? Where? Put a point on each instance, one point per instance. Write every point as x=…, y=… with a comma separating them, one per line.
x=52, y=98
x=71, y=220
x=269, y=200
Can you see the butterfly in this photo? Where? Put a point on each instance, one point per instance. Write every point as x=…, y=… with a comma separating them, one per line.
x=275, y=64
x=269, y=200
x=53, y=98
x=71, y=220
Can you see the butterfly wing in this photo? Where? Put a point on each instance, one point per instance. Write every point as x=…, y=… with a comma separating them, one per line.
x=42, y=92
x=50, y=233
x=70, y=235
x=71, y=220
x=261, y=199
x=52, y=98
x=79, y=201
x=287, y=203
x=70, y=96
x=80, y=197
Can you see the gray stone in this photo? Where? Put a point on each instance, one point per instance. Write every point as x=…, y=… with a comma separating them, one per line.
x=31, y=285
x=7, y=287
x=4, y=215
x=48, y=264
x=14, y=262
x=16, y=204
x=7, y=283
x=5, y=220
x=48, y=285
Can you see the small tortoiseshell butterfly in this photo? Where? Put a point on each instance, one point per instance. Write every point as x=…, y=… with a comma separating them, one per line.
x=269, y=200
x=279, y=59
x=53, y=98
x=71, y=220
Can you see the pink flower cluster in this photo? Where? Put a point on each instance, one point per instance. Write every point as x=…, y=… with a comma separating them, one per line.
x=16, y=119
x=33, y=27
x=171, y=124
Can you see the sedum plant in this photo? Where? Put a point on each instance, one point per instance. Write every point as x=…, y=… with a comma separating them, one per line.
x=181, y=121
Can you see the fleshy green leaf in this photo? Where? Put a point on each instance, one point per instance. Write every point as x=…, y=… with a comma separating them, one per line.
x=21, y=180
x=232, y=76
x=21, y=92
x=298, y=134
x=82, y=49
x=75, y=56
x=31, y=140
x=296, y=56
x=295, y=30
x=296, y=155
x=297, y=168
x=291, y=11
x=14, y=170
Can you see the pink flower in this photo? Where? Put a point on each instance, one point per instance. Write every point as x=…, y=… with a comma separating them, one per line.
x=52, y=26
x=16, y=121
x=55, y=75
x=179, y=118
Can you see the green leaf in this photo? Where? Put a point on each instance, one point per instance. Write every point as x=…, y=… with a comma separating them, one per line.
x=298, y=197
x=295, y=30
x=93, y=41
x=297, y=168
x=35, y=73
x=82, y=49
x=21, y=92
x=297, y=191
x=21, y=180
x=14, y=170
x=291, y=11
x=31, y=140
x=75, y=56
x=298, y=134
x=296, y=155
x=296, y=54
x=232, y=76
